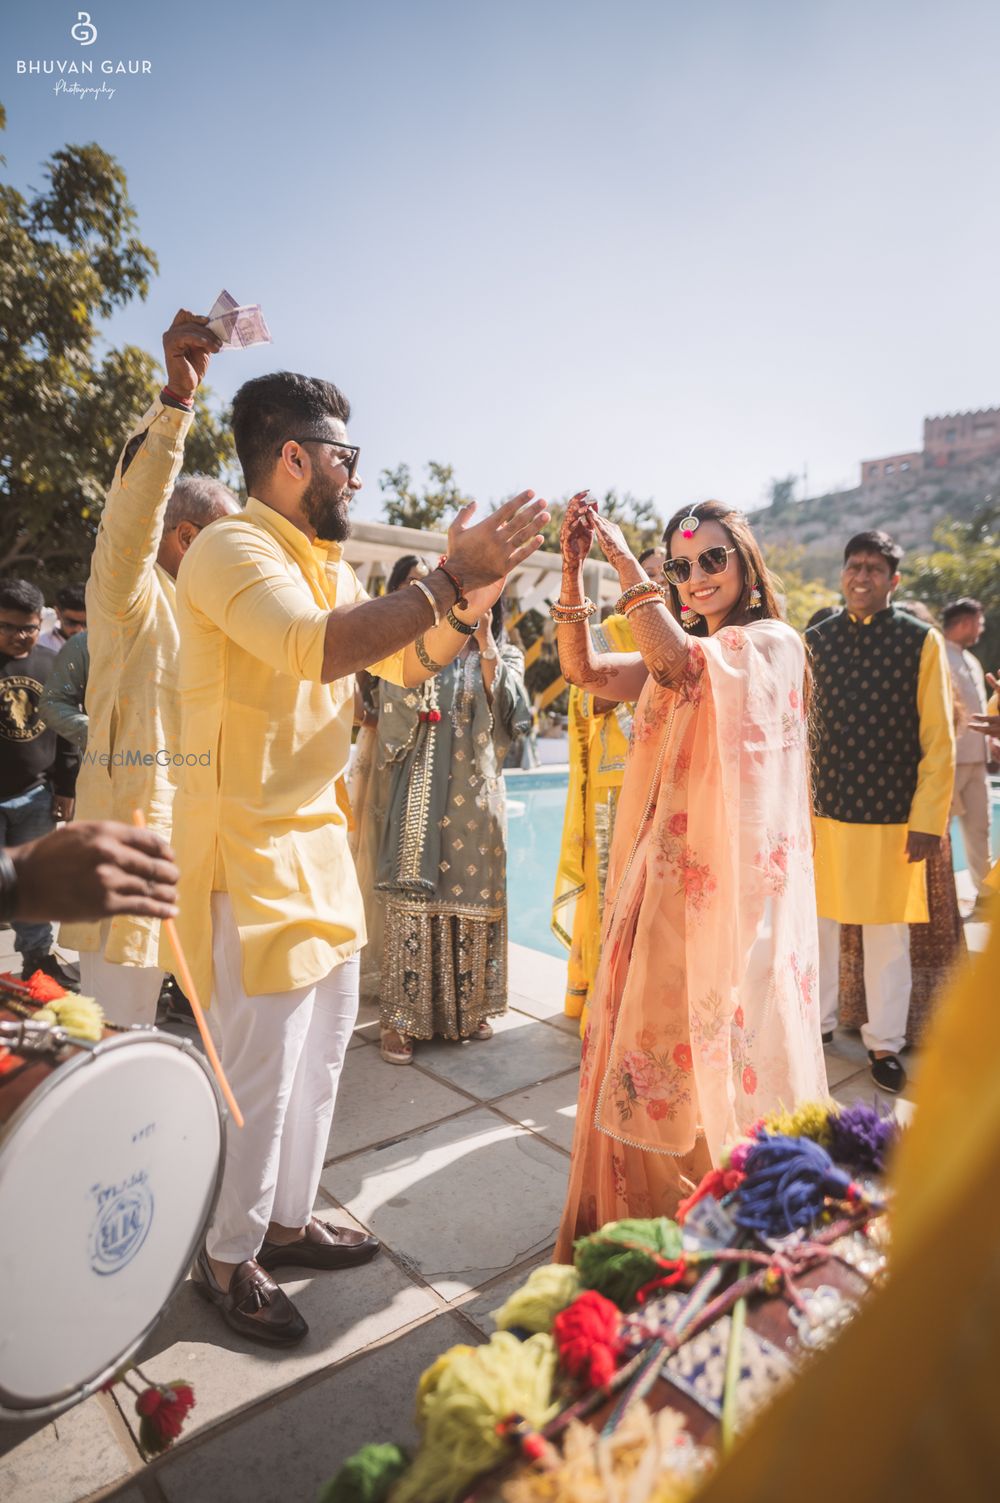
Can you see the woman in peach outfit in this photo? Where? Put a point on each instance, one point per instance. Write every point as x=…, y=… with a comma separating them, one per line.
x=705, y=1011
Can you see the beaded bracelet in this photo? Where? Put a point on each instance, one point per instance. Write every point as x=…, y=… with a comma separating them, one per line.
x=644, y=587
x=418, y=584
x=653, y=598
x=462, y=627
x=569, y=615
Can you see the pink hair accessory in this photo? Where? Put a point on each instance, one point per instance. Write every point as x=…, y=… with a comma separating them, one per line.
x=689, y=525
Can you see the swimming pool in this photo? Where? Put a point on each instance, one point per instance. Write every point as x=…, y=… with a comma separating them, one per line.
x=536, y=803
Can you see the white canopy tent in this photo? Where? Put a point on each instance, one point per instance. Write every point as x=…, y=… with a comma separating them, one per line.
x=373, y=548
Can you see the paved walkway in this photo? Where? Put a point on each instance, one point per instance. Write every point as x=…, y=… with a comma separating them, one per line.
x=458, y=1163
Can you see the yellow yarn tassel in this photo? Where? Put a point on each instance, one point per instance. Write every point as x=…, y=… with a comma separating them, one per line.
x=81, y=1017
x=462, y=1398
x=810, y=1120
x=536, y=1304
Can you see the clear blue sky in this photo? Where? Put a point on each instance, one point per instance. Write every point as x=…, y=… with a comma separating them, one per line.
x=674, y=248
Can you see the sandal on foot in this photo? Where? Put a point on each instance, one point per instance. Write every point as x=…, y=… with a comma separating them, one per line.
x=484, y=1031
x=394, y=1047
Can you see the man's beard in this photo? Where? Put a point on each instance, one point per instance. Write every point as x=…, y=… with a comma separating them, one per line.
x=325, y=508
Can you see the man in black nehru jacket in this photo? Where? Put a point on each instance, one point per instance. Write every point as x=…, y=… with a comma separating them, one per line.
x=883, y=769
x=37, y=768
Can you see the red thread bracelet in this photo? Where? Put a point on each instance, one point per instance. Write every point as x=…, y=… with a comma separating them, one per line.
x=455, y=583
x=182, y=401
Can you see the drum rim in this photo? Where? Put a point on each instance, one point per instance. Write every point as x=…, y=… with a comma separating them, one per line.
x=10, y=1409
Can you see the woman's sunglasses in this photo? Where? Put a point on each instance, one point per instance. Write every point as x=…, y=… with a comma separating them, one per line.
x=712, y=561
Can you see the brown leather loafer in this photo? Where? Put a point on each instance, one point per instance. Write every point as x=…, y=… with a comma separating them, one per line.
x=323, y=1246
x=253, y=1305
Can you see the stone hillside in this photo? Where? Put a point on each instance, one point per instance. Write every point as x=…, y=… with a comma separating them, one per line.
x=908, y=507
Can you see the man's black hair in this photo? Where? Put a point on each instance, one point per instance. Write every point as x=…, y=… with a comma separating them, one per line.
x=21, y=595
x=272, y=409
x=648, y=552
x=72, y=597
x=956, y=609
x=876, y=542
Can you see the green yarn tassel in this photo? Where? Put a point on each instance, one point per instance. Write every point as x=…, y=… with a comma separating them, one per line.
x=536, y=1304
x=367, y=1476
x=619, y=1259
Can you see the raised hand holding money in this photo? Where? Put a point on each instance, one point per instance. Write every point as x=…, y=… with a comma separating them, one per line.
x=188, y=346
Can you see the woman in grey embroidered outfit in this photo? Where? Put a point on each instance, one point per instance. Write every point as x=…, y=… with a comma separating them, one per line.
x=433, y=856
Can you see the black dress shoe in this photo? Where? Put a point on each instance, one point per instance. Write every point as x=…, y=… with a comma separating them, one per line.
x=827, y=1037
x=253, y=1305
x=323, y=1246
x=887, y=1073
x=48, y=964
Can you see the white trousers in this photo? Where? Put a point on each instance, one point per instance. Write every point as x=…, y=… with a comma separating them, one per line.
x=971, y=807
x=888, y=980
x=127, y=993
x=283, y=1054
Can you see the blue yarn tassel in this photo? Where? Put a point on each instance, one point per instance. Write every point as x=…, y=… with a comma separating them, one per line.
x=786, y=1185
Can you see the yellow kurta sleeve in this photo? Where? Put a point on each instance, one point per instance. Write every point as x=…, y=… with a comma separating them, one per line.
x=128, y=539
x=936, y=773
x=237, y=576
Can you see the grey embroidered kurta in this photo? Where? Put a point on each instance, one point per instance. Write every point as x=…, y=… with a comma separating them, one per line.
x=433, y=858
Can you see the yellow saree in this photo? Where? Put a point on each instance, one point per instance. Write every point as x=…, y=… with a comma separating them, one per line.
x=598, y=748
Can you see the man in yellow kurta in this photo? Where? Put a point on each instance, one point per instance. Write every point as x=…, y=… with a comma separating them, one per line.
x=599, y=732
x=883, y=770
x=274, y=625
x=147, y=524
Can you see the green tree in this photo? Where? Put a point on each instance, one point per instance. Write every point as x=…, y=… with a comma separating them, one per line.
x=801, y=596
x=69, y=256
x=965, y=560
x=437, y=504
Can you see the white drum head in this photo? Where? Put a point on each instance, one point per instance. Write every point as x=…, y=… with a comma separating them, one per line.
x=108, y=1174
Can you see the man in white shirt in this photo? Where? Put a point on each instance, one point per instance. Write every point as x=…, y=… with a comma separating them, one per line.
x=963, y=622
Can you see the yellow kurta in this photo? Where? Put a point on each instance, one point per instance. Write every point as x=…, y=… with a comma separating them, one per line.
x=265, y=741
x=132, y=703
x=862, y=874
x=598, y=748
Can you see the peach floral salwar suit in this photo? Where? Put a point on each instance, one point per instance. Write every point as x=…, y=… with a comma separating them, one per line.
x=706, y=1010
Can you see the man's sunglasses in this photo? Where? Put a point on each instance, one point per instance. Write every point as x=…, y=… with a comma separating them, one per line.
x=348, y=455
x=712, y=561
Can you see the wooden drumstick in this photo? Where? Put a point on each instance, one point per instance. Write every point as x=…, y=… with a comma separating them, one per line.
x=191, y=992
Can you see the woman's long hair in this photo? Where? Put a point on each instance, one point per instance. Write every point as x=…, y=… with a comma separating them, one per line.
x=400, y=570
x=749, y=557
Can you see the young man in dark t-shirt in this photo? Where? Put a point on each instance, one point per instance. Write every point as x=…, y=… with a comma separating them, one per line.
x=37, y=768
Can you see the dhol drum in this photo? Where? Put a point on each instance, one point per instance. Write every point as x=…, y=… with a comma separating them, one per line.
x=110, y=1162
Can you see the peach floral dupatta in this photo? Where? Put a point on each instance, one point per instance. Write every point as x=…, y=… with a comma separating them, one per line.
x=706, y=1011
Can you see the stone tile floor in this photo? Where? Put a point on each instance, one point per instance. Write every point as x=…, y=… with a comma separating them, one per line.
x=458, y=1163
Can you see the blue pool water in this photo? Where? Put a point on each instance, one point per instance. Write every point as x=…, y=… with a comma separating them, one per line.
x=533, y=841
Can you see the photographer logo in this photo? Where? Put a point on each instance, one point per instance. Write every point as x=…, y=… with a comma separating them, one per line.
x=84, y=31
